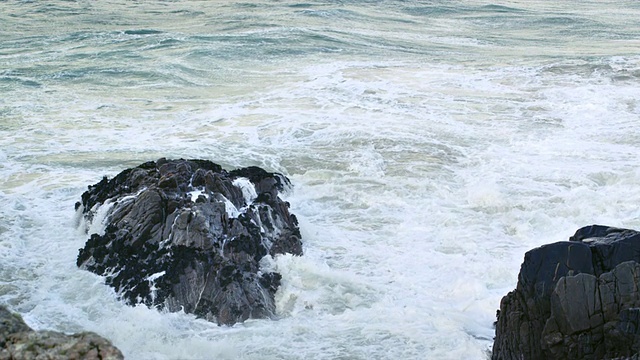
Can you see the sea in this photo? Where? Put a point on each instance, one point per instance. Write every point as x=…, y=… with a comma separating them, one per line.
x=430, y=144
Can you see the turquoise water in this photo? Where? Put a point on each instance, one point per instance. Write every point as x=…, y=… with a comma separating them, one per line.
x=430, y=143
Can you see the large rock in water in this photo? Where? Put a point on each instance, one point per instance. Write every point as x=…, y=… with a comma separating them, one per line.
x=188, y=235
x=577, y=299
x=19, y=341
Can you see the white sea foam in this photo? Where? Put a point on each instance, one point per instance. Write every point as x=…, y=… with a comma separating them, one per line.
x=230, y=208
x=232, y=211
x=101, y=214
x=248, y=189
x=196, y=193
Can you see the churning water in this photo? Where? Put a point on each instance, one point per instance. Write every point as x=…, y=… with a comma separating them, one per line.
x=430, y=143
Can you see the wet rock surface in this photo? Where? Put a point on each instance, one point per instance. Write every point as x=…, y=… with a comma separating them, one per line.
x=188, y=235
x=577, y=299
x=19, y=341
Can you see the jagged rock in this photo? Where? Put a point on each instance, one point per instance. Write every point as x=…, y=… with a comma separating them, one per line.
x=186, y=234
x=19, y=341
x=577, y=299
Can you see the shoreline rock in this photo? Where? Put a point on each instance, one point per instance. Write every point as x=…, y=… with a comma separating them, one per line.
x=189, y=235
x=577, y=299
x=19, y=341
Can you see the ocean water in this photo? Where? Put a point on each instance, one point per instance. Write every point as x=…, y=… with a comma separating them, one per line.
x=430, y=145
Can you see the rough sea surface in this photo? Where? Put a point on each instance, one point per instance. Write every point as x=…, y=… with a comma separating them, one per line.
x=430, y=144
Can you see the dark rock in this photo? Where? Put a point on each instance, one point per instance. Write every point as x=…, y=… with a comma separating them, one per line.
x=186, y=234
x=577, y=299
x=19, y=341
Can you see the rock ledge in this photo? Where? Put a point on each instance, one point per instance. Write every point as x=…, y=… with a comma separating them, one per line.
x=19, y=341
x=577, y=299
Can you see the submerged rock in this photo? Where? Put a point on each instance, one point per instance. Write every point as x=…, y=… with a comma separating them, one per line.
x=19, y=341
x=577, y=299
x=188, y=235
